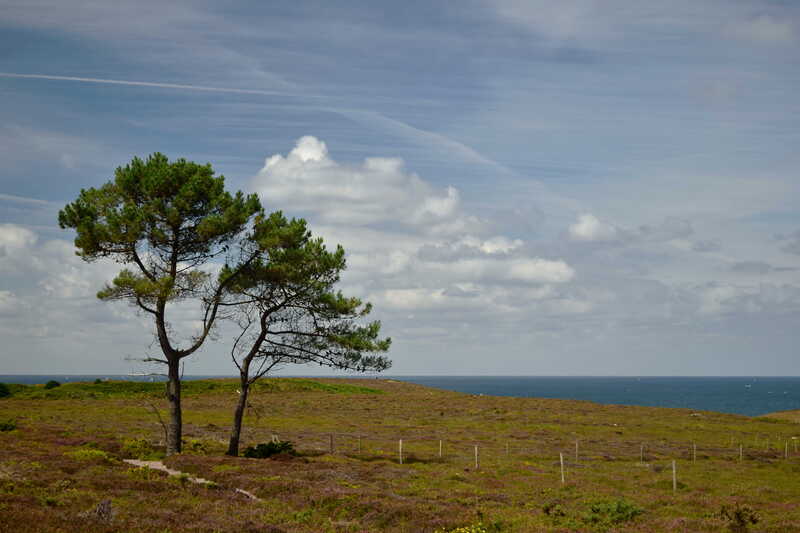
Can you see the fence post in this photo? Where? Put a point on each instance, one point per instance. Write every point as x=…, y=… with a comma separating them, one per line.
x=674, y=477
x=561, y=459
x=400, y=450
x=576, y=450
x=440, y=448
x=476, y=457
x=694, y=451
x=741, y=452
x=330, y=439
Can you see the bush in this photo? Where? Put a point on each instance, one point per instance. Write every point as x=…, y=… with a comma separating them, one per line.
x=52, y=384
x=739, y=517
x=267, y=449
x=606, y=514
x=140, y=449
x=98, y=381
x=89, y=454
x=195, y=446
x=8, y=425
x=4, y=391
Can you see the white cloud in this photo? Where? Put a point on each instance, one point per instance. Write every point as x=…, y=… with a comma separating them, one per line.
x=494, y=245
x=410, y=245
x=14, y=238
x=9, y=303
x=540, y=270
x=377, y=190
x=589, y=228
x=720, y=298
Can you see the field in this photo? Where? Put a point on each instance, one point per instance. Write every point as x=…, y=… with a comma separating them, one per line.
x=62, y=451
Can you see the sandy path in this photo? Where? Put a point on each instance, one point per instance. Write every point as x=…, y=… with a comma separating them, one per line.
x=158, y=465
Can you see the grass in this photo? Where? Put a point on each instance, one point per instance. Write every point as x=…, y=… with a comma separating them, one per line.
x=134, y=389
x=62, y=460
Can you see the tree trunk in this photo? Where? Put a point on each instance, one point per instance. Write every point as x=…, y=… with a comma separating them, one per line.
x=174, y=398
x=238, y=415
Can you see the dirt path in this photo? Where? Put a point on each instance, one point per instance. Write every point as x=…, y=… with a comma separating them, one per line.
x=158, y=465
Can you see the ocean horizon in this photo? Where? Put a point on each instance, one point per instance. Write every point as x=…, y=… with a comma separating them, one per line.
x=751, y=396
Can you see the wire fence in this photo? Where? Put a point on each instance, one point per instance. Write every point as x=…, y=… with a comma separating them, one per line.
x=569, y=453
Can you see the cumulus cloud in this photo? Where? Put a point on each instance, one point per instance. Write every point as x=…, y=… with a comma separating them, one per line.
x=14, y=238
x=376, y=190
x=589, y=228
x=410, y=245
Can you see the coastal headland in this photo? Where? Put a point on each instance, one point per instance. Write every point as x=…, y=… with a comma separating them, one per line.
x=384, y=455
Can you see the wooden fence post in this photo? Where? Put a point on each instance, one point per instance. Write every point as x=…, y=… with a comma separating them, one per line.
x=330, y=439
x=674, y=477
x=561, y=458
x=400, y=450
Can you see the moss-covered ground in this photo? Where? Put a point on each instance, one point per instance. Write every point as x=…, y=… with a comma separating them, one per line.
x=64, y=458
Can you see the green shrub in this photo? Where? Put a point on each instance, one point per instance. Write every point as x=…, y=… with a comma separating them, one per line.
x=140, y=449
x=98, y=381
x=474, y=528
x=8, y=425
x=52, y=384
x=89, y=454
x=606, y=514
x=4, y=391
x=267, y=449
x=739, y=517
x=195, y=446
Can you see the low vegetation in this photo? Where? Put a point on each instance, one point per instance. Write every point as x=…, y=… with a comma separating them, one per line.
x=155, y=389
x=62, y=468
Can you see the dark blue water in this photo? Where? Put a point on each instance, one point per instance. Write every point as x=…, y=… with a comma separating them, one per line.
x=746, y=396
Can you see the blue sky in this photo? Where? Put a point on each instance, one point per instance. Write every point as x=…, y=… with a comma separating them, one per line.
x=523, y=187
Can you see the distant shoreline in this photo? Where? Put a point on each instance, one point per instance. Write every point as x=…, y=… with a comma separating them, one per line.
x=749, y=396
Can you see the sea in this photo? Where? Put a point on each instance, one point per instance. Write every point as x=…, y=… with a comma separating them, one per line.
x=751, y=396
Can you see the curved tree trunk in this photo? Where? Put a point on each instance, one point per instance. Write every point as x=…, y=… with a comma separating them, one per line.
x=174, y=398
x=238, y=415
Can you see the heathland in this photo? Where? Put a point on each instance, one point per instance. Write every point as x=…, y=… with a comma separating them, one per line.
x=469, y=463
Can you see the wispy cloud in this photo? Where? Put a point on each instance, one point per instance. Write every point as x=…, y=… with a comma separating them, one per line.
x=24, y=200
x=160, y=85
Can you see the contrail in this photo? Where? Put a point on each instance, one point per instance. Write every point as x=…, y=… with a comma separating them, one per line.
x=22, y=200
x=147, y=84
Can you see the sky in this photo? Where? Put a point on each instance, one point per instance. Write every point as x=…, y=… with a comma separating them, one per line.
x=522, y=187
